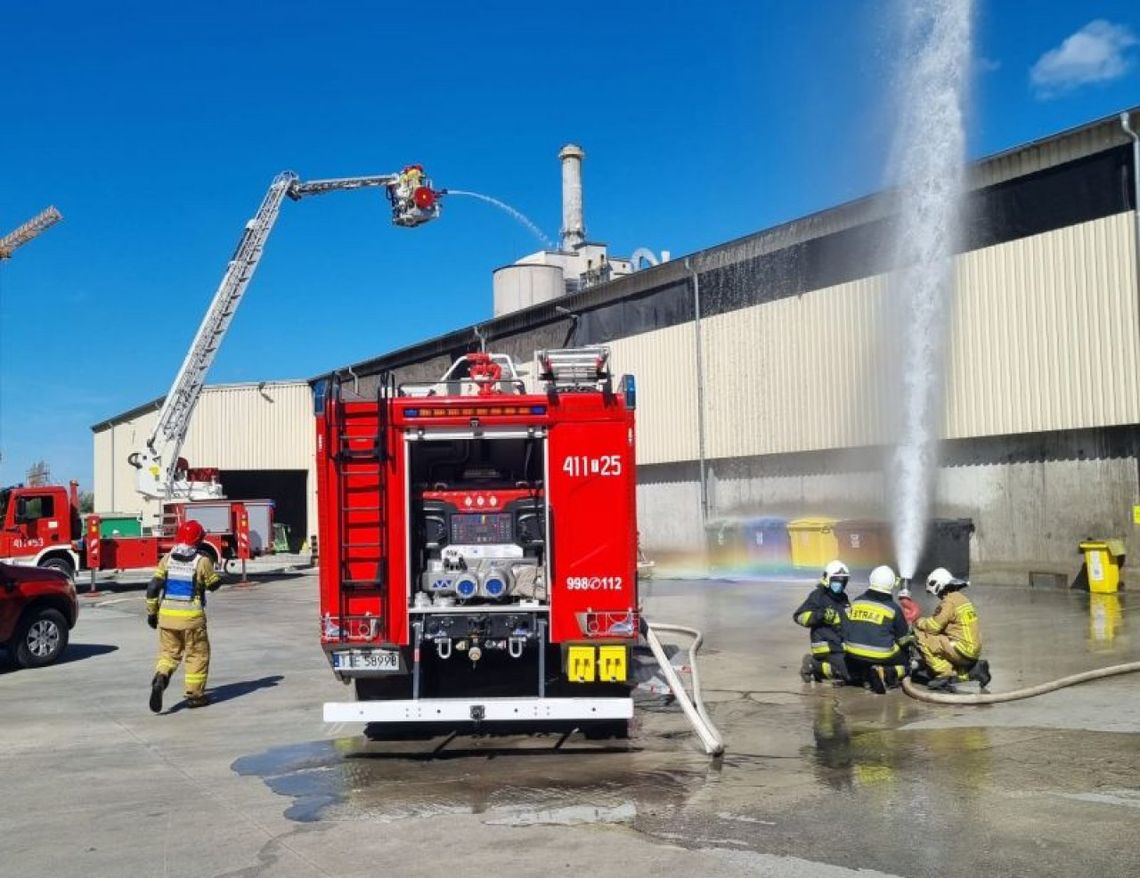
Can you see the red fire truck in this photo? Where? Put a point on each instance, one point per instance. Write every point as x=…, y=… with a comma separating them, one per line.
x=479, y=547
x=41, y=526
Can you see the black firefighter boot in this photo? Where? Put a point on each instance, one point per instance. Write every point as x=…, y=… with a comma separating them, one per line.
x=981, y=673
x=157, y=687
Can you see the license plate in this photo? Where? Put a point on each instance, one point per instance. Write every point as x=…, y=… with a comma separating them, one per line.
x=367, y=660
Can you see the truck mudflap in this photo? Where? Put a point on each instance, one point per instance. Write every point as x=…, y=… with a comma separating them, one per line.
x=479, y=710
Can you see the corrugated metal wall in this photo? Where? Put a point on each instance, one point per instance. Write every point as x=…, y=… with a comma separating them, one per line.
x=792, y=375
x=665, y=364
x=1044, y=337
x=247, y=427
x=235, y=427
x=1046, y=333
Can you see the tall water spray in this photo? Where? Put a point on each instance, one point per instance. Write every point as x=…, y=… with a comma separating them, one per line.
x=928, y=166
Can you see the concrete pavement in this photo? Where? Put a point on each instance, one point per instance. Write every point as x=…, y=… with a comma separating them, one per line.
x=816, y=781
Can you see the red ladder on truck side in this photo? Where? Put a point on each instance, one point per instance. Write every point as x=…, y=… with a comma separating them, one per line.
x=358, y=442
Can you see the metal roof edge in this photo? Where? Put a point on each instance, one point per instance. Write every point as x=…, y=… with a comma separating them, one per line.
x=155, y=404
x=844, y=215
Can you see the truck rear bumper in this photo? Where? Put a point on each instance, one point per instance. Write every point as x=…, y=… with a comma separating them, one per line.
x=466, y=710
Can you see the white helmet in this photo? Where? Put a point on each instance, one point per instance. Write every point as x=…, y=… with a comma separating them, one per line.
x=883, y=579
x=942, y=580
x=837, y=572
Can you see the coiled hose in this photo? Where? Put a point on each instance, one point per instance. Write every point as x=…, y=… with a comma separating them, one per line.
x=922, y=694
x=693, y=708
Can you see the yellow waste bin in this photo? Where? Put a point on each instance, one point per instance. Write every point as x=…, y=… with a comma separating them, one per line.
x=813, y=542
x=1102, y=561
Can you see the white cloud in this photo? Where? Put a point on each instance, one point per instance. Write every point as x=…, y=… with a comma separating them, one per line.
x=986, y=65
x=1098, y=52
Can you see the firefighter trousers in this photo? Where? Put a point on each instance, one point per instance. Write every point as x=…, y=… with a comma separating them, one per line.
x=941, y=655
x=831, y=666
x=880, y=675
x=193, y=644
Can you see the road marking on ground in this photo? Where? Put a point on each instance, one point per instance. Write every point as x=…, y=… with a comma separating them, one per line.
x=1128, y=798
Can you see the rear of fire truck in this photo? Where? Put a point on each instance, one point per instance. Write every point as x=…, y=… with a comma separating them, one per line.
x=479, y=547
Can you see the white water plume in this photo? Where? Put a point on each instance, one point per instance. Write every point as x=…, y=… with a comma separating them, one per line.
x=928, y=161
x=518, y=215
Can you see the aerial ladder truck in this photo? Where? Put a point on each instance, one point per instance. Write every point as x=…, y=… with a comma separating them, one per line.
x=41, y=526
x=161, y=473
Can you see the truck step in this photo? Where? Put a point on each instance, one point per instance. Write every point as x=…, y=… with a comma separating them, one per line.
x=361, y=585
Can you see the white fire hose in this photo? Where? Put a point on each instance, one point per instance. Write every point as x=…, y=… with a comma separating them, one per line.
x=922, y=694
x=693, y=707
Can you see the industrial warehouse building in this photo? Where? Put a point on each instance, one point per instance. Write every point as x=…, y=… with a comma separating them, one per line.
x=260, y=436
x=764, y=378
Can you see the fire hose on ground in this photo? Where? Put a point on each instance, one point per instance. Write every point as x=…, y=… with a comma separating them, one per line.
x=694, y=707
x=918, y=692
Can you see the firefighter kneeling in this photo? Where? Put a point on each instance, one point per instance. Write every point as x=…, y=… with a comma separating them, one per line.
x=176, y=606
x=875, y=632
x=822, y=614
x=949, y=642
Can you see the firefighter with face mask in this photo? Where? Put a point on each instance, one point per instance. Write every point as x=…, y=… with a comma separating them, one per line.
x=875, y=632
x=176, y=606
x=949, y=641
x=822, y=615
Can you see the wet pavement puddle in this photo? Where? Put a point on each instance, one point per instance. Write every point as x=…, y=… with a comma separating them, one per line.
x=845, y=760
x=512, y=782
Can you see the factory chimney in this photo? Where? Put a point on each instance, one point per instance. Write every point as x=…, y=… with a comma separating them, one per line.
x=573, y=227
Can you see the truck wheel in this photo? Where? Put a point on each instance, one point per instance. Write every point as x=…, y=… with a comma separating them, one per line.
x=40, y=638
x=63, y=565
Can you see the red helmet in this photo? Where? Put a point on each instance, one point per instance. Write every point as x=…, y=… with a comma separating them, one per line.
x=191, y=533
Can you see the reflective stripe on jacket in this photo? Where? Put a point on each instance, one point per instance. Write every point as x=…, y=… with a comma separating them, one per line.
x=873, y=627
x=824, y=638
x=957, y=618
x=177, y=591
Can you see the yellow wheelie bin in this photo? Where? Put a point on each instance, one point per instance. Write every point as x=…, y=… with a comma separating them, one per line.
x=814, y=542
x=1102, y=562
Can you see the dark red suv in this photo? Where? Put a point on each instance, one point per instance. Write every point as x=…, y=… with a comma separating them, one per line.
x=37, y=610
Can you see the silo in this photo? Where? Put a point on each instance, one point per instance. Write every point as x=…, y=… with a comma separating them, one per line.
x=520, y=286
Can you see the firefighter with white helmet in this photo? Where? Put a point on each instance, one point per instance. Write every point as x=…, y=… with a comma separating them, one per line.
x=822, y=614
x=949, y=641
x=875, y=632
x=176, y=606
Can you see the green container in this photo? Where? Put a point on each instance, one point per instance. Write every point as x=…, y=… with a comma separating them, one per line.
x=120, y=525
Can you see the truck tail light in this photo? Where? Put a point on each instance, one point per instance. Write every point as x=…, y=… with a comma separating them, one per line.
x=608, y=623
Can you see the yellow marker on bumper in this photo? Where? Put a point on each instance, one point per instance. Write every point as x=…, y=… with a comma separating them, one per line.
x=581, y=665
x=613, y=664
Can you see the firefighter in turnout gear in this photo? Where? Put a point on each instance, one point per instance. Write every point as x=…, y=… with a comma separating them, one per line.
x=949, y=641
x=822, y=615
x=875, y=632
x=176, y=606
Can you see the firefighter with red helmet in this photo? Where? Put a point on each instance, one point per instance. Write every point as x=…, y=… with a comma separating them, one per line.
x=176, y=606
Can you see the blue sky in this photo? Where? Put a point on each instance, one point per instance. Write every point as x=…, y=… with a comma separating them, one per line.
x=155, y=128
